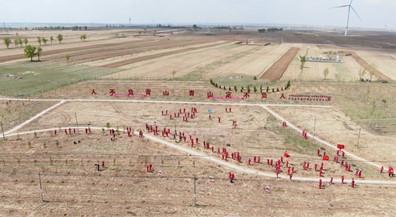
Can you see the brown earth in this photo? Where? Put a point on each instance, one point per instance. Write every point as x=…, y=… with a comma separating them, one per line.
x=72, y=186
x=139, y=59
x=370, y=68
x=275, y=72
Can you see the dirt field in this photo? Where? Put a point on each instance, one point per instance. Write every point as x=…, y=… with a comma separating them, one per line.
x=347, y=71
x=360, y=115
x=383, y=61
x=335, y=127
x=279, y=67
x=124, y=186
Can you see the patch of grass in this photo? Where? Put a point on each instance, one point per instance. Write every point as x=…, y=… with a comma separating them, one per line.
x=28, y=79
x=293, y=141
x=242, y=80
x=342, y=72
x=371, y=105
x=192, y=76
x=13, y=113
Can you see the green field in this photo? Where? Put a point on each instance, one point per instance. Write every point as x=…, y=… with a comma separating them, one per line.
x=28, y=79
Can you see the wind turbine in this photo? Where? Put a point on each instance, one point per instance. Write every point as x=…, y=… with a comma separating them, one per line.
x=349, y=12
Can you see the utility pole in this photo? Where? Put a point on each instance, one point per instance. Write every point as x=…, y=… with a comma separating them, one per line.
x=2, y=130
x=41, y=188
x=78, y=129
x=313, y=135
x=357, y=145
x=195, y=191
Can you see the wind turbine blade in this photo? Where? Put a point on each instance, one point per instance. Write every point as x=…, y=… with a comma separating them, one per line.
x=356, y=13
x=351, y=2
x=342, y=6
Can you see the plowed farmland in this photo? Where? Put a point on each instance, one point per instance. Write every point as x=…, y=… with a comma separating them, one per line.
x=96, y=134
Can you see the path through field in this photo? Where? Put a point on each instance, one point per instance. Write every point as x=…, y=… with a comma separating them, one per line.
x=197, y=153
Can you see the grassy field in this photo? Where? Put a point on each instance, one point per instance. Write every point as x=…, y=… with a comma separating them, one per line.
x=371, y=105
x=27, y=79
x=15, y=112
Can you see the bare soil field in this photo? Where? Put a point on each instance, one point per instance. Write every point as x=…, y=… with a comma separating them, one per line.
x=370, y=68
x=276, y=71
x=334, y=126
x=142, y=54
x=185, y=64
x=254, y=126
x=131, y=61
x=72, y=186
x=380, y=60
x=360, y=115
x=251, y=64
x=347, y=71
x=71, y=39
x=356, y=39
x=370, y=105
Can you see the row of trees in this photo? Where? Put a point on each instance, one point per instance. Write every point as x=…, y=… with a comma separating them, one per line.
x=61, y=28
x=83, y=37
x=270, y=30
x=248, y=88
x=17, y=42
x=32, y=51
x=41, y=40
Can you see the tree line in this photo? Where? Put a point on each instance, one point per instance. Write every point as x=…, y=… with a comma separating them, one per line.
x=270, y=30
x=74, y=28
x=19, y=42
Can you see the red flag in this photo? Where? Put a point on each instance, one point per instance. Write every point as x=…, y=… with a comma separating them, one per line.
x=286, y=154
x=325, y=157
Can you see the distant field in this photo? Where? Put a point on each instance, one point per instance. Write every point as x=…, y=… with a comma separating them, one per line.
x=27, y=79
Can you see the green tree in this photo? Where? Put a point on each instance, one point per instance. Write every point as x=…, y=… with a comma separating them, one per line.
x=44, y=40
x=25, y=41
x=325, y=73
x=51, y=39
x=371, y=75
x=30, y=52
x=7, y=42
x=39, y=40
x=20, y=42
x=38, y=53
x=16, y=43
x=303, y=59
x=60, y=38
x=288, y=85
x=83, y=37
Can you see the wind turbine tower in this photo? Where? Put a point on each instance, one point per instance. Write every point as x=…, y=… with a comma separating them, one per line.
x=349, y=12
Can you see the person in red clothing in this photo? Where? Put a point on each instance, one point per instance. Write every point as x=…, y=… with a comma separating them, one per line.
x=391, y=172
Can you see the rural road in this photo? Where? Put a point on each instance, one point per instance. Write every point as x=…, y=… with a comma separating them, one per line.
x=199, y=154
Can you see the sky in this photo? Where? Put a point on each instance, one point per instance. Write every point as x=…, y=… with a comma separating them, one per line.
x=374, y=13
